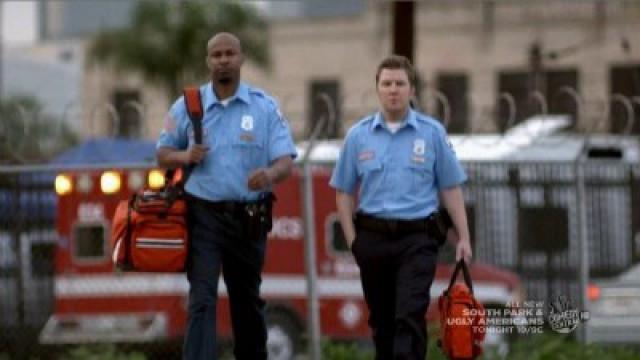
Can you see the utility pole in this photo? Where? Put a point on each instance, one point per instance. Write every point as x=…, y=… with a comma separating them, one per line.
x=536, y=71
x=1, y=51
x=404, y=36
x=404, y=28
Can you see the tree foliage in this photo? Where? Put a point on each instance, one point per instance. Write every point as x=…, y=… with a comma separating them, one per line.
x=166, y=40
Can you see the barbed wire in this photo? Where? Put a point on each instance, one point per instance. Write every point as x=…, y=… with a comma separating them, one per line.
x=104, y=118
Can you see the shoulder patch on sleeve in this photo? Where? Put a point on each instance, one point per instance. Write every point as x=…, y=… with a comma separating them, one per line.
x=273, y=105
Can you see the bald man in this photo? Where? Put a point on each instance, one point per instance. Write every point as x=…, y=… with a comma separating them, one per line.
x=247, y=148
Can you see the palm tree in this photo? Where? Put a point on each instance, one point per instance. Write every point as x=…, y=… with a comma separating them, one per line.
x=166, y=41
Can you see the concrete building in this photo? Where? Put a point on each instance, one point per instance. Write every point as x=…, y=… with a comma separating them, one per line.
x=470, y=51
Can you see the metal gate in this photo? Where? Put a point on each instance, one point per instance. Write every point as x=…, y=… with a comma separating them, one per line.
x=27, y=244
x=525, y=217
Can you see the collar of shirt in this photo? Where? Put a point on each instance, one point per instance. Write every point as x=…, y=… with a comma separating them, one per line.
x=210, y=98
x=409, y=119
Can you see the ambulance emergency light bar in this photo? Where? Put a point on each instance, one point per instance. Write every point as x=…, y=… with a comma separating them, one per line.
x=110, y=181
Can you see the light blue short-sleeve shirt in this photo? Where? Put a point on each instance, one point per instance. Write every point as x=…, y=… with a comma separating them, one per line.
x=399, y=174
x=246, y=133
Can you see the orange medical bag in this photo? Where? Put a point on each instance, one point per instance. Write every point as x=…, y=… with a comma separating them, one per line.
x=462, y=319
x=149, y=231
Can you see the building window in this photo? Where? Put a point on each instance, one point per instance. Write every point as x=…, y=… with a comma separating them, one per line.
x=518, y=85
x=533, y=229
x=454, y=87
x=515, y=84
x=89, y=241
x=625, y=80
x=321, y=93
x=128, y=108
x=559, y=102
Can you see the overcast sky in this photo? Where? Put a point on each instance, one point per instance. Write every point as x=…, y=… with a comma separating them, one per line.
x=19, y=25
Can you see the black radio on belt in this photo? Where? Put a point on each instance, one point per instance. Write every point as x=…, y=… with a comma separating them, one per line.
x=441, y=224
x=259, y=213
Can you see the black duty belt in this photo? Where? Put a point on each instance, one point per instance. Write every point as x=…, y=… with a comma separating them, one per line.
x=227, y=206
x=235, y=207
x=392, y=226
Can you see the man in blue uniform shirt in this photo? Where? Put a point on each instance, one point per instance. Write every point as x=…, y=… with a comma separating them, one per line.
x=247, y=147
x=404, y=166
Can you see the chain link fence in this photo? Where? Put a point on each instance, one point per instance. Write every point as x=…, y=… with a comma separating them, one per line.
x=524, y=216
x=30, y=135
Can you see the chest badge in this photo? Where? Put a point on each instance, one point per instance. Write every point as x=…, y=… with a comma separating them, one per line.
x=418, y=151
x=418, y=147
x=247, y=123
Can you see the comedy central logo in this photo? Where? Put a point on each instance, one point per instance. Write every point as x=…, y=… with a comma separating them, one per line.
x=564, y=317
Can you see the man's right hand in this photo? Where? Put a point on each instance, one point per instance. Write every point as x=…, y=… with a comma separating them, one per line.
x=350, y=240
x=195, y=154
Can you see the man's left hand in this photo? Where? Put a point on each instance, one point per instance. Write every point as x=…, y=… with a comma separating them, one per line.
x=260, y=179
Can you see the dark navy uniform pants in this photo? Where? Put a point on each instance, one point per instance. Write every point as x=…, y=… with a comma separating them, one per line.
x=397, y=271
x=221, y=240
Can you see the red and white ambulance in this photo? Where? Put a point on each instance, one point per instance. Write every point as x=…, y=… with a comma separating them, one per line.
x=94, y=303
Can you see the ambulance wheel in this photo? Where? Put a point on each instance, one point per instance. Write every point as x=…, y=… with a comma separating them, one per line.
x=283, y=335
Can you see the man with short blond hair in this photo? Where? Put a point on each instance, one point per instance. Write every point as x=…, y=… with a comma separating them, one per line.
x=403, y=164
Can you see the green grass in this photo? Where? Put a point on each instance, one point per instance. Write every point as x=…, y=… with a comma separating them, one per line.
x=101, y=352
x=345, y=351
x=539, y=347
x=557, y=347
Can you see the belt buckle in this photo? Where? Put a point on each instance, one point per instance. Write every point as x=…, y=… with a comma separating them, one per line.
x=250, y=209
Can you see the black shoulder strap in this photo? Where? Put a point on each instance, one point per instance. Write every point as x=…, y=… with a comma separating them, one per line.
x=465, y=272
x=193, y=104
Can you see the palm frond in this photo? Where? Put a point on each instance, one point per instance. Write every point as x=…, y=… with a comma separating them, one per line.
x=167, y=40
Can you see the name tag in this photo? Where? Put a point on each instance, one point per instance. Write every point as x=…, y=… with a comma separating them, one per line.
x=366, y=155
x=418, y=159
x=247, y=137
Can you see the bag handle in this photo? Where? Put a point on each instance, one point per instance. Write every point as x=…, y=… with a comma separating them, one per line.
x=465, y=272
x=167, y=197
x=193, y=102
